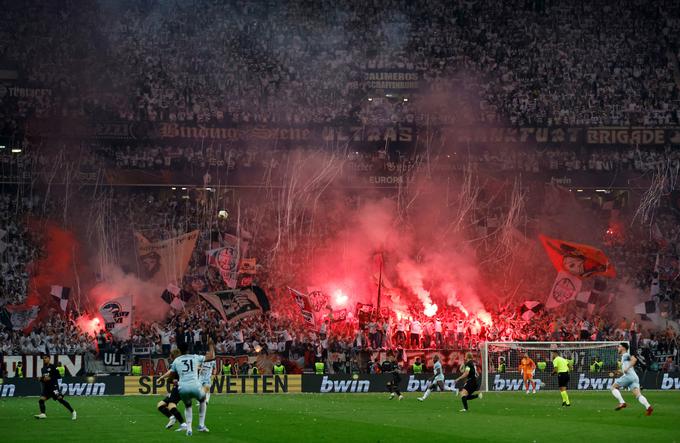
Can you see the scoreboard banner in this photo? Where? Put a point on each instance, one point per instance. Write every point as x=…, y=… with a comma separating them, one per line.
x=254, y=384
x=69, y=386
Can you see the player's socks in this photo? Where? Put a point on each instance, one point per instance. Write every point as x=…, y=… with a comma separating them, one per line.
x=617, y=395
x=427, y=393
x=189, y=416
x=178, y=415
x=202, y=408
x=207, y=397
x=565, y=397
x=66, y=405
x=644, y=401
x=165, y=411
x=42, y=406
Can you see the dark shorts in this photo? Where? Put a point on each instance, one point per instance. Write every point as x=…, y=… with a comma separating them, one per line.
x=172, y=397
x=51, y=392
x=562, y=379
x=470, y=386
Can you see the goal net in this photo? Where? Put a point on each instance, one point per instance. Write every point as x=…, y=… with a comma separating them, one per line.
x=594, y=364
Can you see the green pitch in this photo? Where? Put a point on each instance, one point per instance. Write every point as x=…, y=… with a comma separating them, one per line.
x=504, y=417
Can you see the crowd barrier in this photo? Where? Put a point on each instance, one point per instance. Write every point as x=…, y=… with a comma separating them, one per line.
x=308, y=383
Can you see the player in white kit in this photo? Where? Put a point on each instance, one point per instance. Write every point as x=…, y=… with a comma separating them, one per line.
x=629, y=379
x=187, y=367
x=437, y=380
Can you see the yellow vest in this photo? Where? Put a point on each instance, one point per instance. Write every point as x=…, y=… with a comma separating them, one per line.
x=254, y=371
x=20, y=371
x=226, y=369
x=61, y=370
x=417, y=369
x=136, y=370
x=279, y=369
x=319, y=367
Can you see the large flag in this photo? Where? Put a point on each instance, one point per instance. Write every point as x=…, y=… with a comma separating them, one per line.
x=576, y=259
x=117, y=315
x=226, y=260
x=165, y=261
x=62, y=295
x=21, y=317
x=305, y=304
x=564, y=289
x=239, y=303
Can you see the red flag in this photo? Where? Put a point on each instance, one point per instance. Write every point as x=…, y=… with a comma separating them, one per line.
x=577, y=259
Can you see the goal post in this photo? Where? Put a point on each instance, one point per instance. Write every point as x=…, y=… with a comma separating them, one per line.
x=594, y=364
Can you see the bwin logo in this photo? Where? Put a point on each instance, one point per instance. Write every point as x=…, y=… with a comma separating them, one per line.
x=344, y=385
x=7, y=390
x=517, y=384
x=82, y=388
x=596, y=384
x=415, y=385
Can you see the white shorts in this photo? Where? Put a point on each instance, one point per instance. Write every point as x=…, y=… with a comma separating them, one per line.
x=191, y=391
x=630, y=381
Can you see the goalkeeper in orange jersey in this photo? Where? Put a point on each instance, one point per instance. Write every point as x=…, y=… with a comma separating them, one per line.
x=527, y=367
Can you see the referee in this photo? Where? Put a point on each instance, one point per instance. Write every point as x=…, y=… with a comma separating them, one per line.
x=561, y=367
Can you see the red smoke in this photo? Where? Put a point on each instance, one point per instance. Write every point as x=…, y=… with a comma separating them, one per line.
x=59, y=264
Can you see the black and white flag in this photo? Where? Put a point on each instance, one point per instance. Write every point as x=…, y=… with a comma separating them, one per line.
x=62, y=294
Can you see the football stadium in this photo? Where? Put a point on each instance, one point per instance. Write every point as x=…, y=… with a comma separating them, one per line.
x=339, y=220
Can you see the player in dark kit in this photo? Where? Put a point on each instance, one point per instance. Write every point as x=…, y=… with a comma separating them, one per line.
x=470, y=376
x=390, y=367
x=168, y=406
x=50, y=388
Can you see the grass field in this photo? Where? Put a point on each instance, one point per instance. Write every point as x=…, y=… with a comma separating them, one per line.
x=503, y=417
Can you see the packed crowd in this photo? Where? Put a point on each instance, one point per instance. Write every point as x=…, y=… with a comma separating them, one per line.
x=498, y=61
x=283, y=330
x=17, y=247
x=53, y=335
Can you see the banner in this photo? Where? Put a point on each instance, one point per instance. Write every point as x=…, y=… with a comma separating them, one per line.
x=21, y=317
x=226, y=260
x=305, y=305
x=160, y=365
x=577, y=259
x=165, y=261
x=117, y=315
x=564, y=289
x=583, y=381
x=33, y=364
x=221, y=384
x=69, y=386
x=238, y=303
x=392, y=80
x=364, y=383
x=114, y=359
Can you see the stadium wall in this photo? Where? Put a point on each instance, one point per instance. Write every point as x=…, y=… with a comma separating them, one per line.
x=308, y=383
